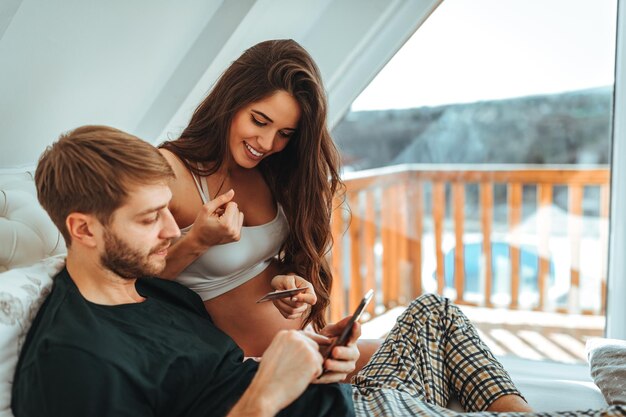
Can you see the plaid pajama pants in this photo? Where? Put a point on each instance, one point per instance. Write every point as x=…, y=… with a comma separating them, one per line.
x=433, y=351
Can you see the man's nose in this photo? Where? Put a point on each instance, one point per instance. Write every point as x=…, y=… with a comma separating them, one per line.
x=170, y=229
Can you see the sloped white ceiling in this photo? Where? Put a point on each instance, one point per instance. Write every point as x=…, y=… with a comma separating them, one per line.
x=143, y=65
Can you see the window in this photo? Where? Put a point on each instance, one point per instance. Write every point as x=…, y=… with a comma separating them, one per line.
x=477, y=166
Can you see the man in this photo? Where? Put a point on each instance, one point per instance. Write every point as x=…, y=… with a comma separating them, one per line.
x=109, y=342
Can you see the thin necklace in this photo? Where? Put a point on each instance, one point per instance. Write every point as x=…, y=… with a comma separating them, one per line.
x=217, y=193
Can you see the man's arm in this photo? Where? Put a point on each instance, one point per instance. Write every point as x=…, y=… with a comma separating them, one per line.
x=290, y=363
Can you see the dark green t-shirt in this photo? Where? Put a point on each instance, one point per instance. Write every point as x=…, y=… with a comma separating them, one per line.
x=161, y=357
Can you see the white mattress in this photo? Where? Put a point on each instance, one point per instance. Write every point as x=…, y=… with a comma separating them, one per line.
x=555, y=395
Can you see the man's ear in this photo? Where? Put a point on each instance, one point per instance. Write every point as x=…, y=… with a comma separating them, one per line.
x=83, y=228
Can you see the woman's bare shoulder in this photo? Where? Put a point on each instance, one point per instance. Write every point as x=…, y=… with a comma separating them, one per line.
x=182, y=186
x=173, y=160
x=183, y=175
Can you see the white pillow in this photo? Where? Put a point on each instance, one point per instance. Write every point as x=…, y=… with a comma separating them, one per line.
x=607, y=363
x=22, y=291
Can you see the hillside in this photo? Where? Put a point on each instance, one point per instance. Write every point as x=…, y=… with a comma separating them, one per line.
x=567, y=128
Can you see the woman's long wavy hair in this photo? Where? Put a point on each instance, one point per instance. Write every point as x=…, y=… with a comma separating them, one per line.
x=303, y=178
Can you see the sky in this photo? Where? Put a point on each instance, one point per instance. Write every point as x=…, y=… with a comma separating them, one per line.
x=472, y=50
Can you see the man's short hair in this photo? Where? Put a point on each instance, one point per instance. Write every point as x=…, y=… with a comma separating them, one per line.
x=91, y=170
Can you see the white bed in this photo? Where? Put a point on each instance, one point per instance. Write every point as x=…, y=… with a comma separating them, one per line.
x=31, y=252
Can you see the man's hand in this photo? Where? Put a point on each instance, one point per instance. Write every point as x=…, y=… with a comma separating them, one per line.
x=293, y=307
x=342, y=360
x=290, y=363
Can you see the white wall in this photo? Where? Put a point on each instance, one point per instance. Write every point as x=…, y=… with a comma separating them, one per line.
x=143, y=65
x=73, y=62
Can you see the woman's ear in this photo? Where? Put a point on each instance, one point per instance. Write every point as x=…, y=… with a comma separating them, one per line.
x=82, y=229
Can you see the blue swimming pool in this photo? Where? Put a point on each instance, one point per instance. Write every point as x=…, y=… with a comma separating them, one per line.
x=501, y=267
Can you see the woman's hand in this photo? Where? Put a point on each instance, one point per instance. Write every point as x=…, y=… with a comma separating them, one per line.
x=342, y=360
x=293, y=307
x=218, y=222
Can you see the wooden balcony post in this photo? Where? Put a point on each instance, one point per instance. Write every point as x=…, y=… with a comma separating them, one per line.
x=574, y=230
x=394, y=206
x=415, y=243
x=458, y=194
x=355, y=230
x=369, y=241
x=387, y=239
x=515, y=219
x=544, y=221
x=604, y=242
x=337, y=298
x=486, y=211
x=439, y=213
x=403, y=231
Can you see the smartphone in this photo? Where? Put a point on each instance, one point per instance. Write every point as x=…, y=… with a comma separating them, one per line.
x=281, y=294
x=345, y=334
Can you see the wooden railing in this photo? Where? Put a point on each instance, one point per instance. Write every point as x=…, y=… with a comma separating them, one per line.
x=380, y=228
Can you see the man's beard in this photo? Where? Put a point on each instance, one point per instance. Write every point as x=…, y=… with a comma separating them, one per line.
x=127, y=262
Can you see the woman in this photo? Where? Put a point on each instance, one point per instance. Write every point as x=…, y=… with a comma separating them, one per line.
x=256, y=175
x=261, y=134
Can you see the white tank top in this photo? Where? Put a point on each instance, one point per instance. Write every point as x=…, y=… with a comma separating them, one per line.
x=224, y=267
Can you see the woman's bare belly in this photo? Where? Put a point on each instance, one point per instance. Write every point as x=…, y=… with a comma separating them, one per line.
x=251, y=325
